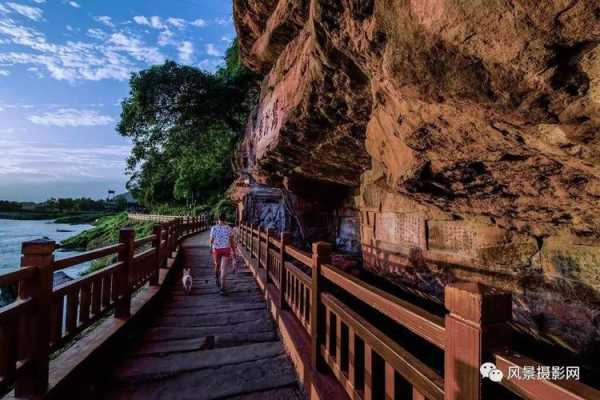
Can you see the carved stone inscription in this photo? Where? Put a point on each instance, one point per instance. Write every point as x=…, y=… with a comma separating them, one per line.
x=451, y=236
x=406, y=229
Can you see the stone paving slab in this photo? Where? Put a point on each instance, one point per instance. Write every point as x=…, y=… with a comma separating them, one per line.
x=206, y=346
x=215, y=383
x=163, y=366
x=215, y=309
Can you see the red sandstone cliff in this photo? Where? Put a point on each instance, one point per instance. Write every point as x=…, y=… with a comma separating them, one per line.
x=466, y=133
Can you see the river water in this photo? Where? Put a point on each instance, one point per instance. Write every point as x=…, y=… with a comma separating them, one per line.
x=13, y=233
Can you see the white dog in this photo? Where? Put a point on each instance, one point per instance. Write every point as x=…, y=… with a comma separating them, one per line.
x=187, y=280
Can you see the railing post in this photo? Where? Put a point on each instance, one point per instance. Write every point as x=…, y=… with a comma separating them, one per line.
x=245, y=236
x=157, y=232
x=285, y=239
x=167, y=229
x=163, y=233
x=173, y=238
x=36, y=334
x=123, y=308
x=267, y=266
x=258, y=250
x=251, y=240
x=321, y=254
x=476, y=325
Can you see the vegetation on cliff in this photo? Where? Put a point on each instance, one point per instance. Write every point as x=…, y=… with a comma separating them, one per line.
x=184, y=124
x=106, y=232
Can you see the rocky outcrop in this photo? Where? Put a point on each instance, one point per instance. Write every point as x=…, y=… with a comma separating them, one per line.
x=466, y=134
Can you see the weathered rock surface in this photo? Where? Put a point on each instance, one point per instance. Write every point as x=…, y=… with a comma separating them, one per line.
x=468, y=132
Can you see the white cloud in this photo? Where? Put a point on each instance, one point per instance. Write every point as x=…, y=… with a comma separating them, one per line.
x=165, y=37
x=36, y=71
x=212, y=50
x=222, y=21
x=141, y=20
x=186, y=52
x=156, y=22
x=39, y=1
x=25, y=36
x=4, y=72
x=136, y=48
x=210, y=65
x=106, y=20
x=96, y=33
x=113, y=56
x=153, y=22
x=74, y=4
x=200, y=23
x=35, y=162
x=32, y=13
x=70, y=117
x=176, y=22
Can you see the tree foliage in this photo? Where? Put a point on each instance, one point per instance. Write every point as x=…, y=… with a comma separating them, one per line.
x=184, y=124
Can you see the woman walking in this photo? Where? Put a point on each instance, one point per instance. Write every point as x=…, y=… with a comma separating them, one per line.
x=223, y=247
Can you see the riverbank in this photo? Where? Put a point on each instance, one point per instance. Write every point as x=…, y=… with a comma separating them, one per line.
x=57, y=217
x=13, y=233
x=72, y=239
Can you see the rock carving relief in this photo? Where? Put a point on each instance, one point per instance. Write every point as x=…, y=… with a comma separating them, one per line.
x=407, y=229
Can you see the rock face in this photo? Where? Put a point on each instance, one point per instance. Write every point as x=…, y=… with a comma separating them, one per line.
x=465, y=134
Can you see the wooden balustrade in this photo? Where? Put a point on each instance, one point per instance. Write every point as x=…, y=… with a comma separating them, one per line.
x=367, y=362
x=44, y=318
x=298, y=294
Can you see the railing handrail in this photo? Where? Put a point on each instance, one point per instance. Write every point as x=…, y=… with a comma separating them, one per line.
x=88, y=256
x=474, y=311
x=12, y=277
x=426, y=325
x=299, y=255
x=145, y=240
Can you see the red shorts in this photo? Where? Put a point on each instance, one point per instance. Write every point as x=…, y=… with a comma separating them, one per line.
x=218, y=254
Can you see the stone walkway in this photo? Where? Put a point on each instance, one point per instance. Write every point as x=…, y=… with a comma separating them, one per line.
x=207, y=346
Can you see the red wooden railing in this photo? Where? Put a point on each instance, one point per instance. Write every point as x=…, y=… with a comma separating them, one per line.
x=371, y=365
x=44, y=318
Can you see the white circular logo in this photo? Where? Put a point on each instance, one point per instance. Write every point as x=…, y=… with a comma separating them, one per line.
x=496, y=375
x=486, y=368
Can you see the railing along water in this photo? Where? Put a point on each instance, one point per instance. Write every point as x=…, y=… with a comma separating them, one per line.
x=44, y=318
x=367, y=362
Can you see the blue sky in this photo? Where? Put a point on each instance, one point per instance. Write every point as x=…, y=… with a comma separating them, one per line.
x=64, y=68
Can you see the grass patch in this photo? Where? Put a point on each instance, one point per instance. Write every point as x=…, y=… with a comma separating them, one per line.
x=106, y=232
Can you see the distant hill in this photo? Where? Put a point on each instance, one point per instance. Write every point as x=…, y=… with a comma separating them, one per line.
x=127, y=196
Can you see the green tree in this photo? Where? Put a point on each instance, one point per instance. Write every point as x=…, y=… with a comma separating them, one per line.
x=184, y=124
